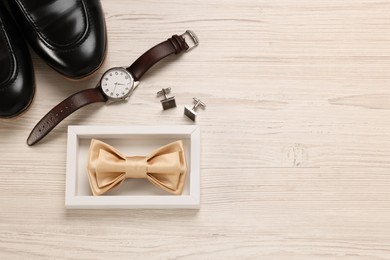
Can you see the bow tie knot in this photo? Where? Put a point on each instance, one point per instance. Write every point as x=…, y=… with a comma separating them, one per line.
x=107, y=168
x=136, y=167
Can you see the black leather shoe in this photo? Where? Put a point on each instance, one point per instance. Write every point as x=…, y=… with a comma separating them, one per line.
x=70, y=35
x=17, y=84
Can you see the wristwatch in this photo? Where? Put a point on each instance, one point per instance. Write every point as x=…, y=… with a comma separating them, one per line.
x=116, y=85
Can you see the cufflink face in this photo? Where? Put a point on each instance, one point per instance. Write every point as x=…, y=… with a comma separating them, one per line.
x=191, y=114
x=168, y=103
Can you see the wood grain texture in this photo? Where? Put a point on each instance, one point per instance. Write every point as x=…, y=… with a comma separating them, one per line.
x=295, y=138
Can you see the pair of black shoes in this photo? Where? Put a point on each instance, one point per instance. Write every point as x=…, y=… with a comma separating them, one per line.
x=70, y=35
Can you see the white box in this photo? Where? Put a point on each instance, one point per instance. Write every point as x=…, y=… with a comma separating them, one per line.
x=130, y=141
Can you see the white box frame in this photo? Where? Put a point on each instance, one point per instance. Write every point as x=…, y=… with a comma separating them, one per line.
x=76, y=134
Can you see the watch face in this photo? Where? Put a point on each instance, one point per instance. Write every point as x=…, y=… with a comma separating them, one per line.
x=117, y=83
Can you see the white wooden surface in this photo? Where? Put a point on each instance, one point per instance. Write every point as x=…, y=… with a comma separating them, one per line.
x=295, y=138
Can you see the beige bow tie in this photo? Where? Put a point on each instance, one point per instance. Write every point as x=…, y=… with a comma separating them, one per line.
x=107, y=168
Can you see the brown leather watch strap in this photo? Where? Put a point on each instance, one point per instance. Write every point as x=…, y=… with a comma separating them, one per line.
x=63, y=110
x=174, y=45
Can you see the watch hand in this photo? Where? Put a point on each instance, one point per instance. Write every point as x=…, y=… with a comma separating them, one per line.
x=114, y=87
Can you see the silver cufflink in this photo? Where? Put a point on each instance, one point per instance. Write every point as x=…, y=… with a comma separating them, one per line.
x=190, y=113
x=167, y=102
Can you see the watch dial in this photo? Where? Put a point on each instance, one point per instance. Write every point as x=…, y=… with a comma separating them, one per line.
x=116, y=83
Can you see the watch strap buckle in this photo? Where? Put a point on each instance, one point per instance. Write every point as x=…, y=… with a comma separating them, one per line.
x=192, y=38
